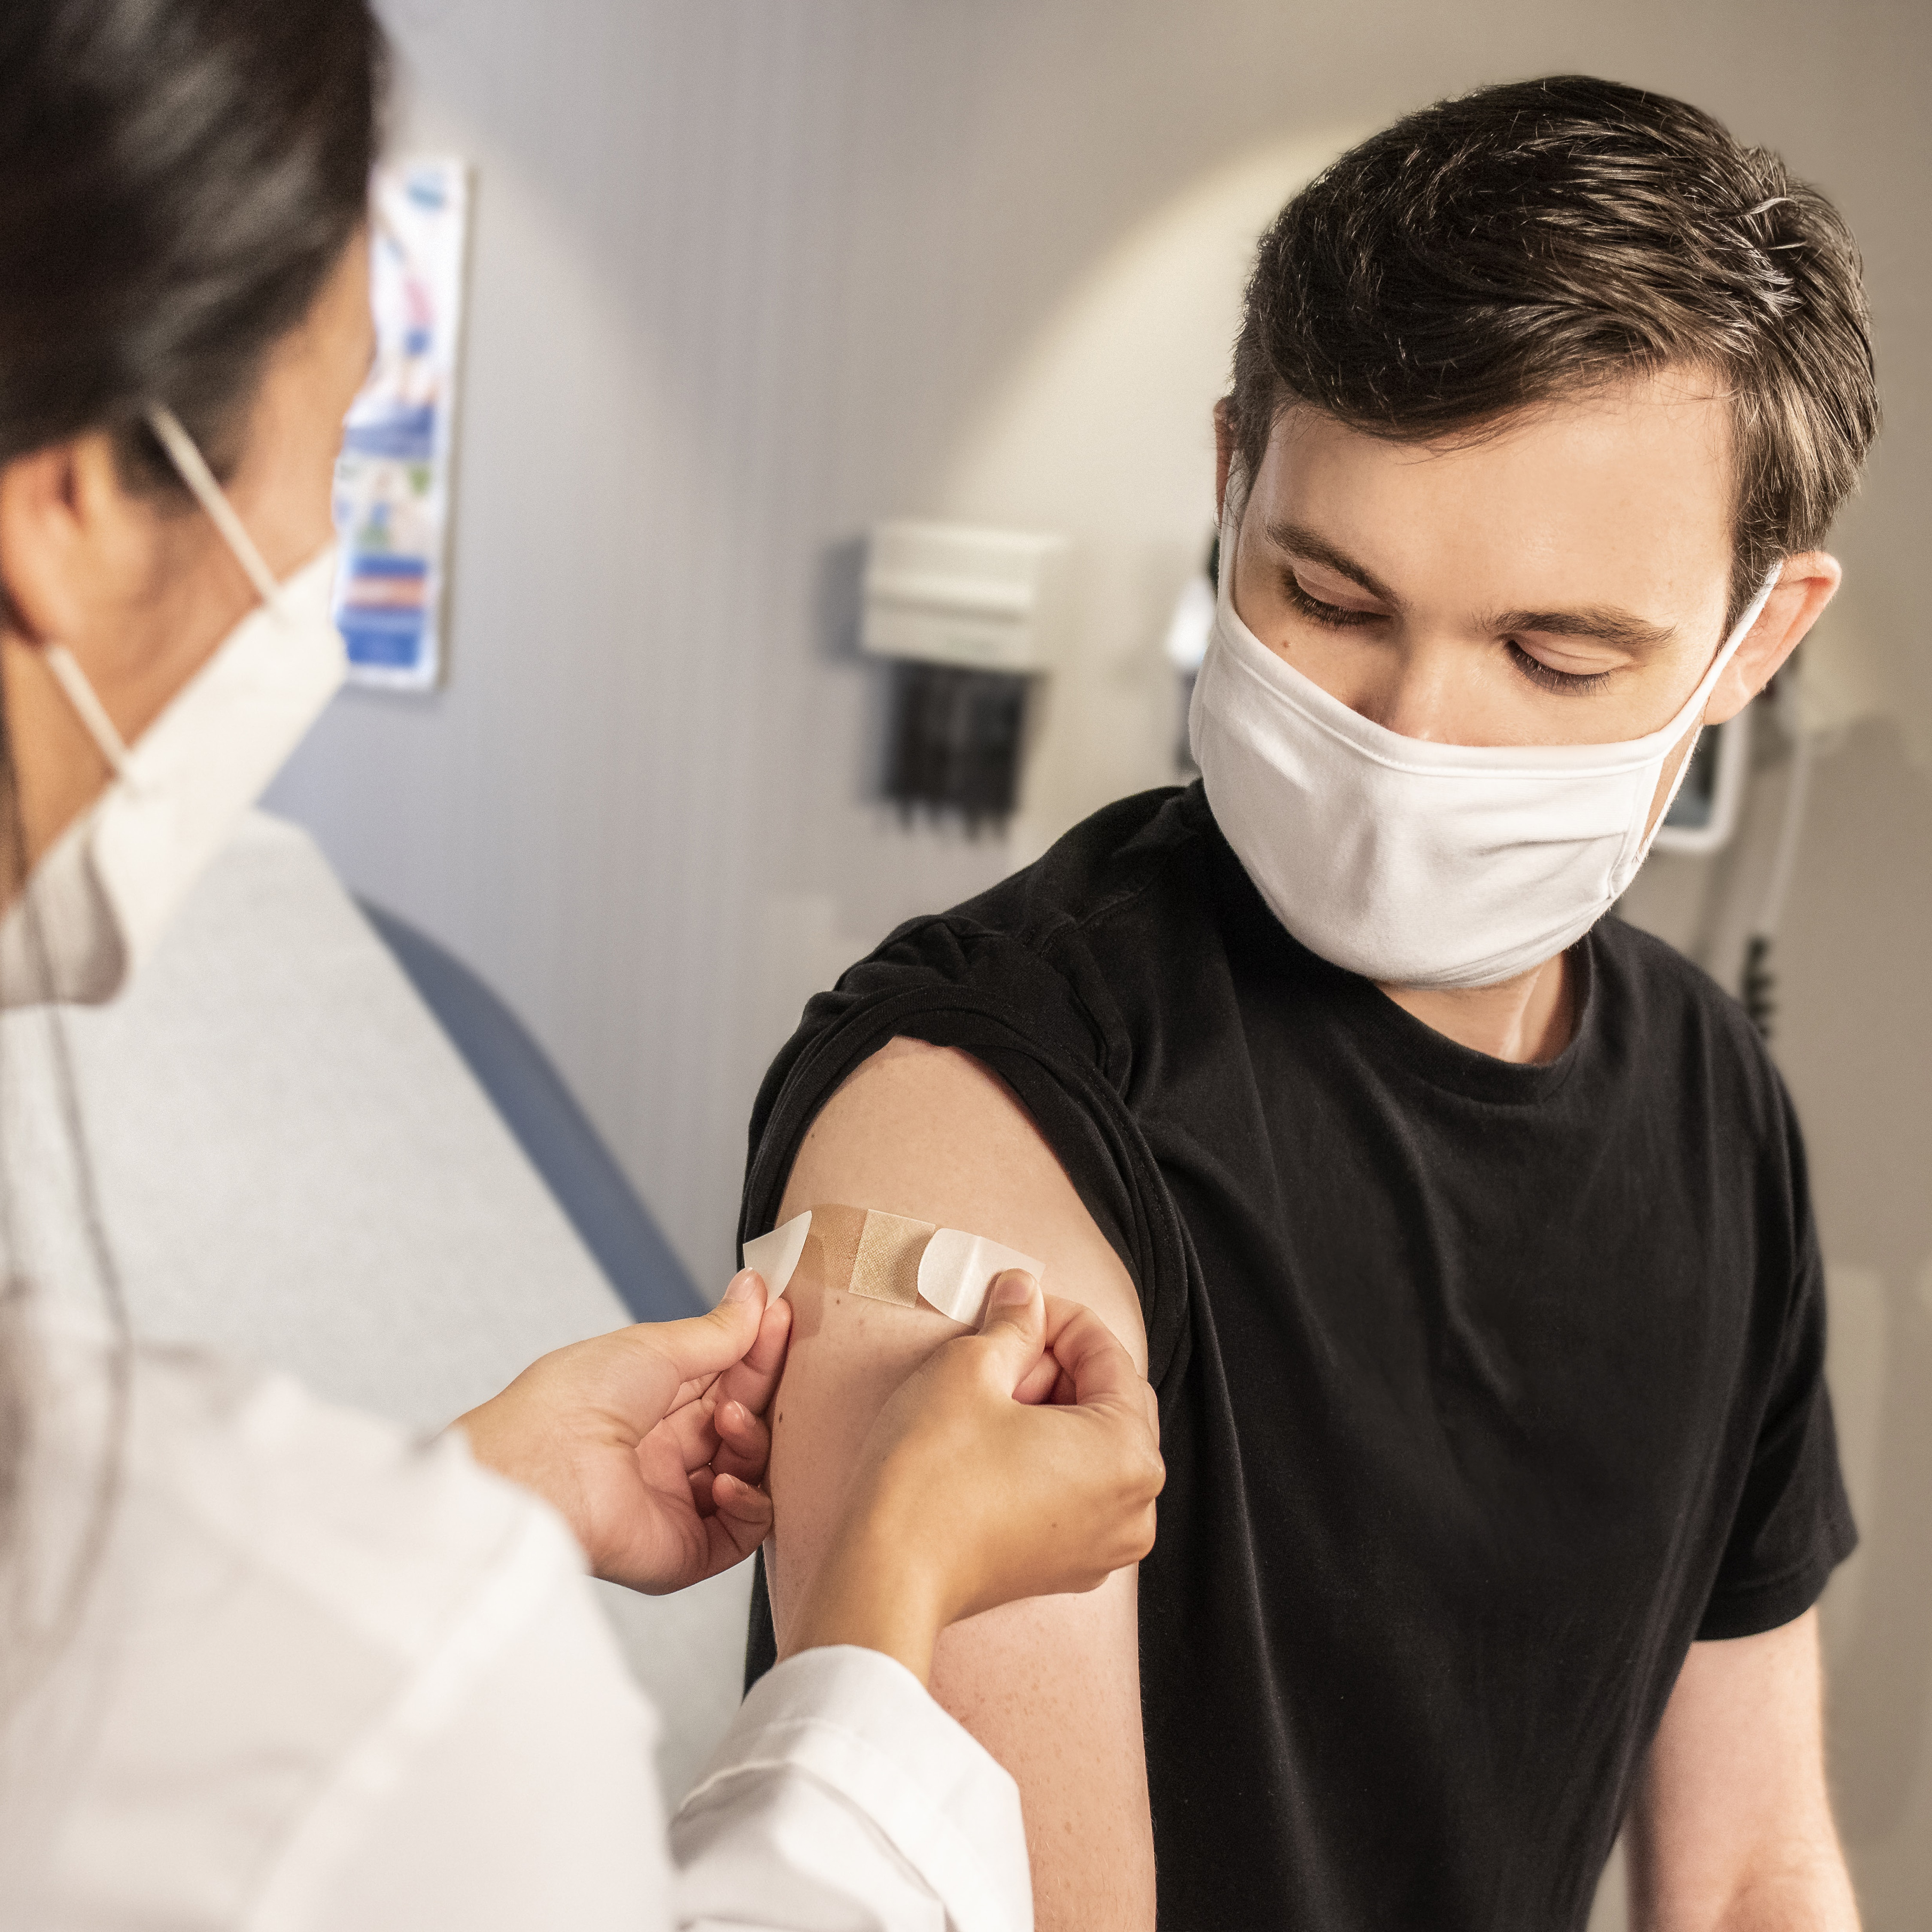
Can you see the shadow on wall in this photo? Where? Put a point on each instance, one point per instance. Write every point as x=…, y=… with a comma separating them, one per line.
x=1859, y=1056
x=1853, y=1040
x=1881, y=1704
x=838, y=605
x=1100, y=429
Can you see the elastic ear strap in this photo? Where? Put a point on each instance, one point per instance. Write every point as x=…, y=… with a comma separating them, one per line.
x=209, y=494
x=1701, y=696
x=1741, y=630
x=886, y=1257
x=88, y=709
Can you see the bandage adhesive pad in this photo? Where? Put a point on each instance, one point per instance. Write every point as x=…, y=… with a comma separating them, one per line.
x=888, y=1257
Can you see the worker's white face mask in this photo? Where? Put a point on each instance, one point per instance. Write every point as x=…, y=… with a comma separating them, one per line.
x=1417, y=864
x=97, y=902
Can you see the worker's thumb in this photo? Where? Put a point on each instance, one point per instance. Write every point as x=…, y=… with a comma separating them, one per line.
x=1014, y=1322
x=704, y=1345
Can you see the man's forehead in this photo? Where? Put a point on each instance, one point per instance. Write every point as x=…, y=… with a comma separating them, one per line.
x=1677, y=405
x=1620, y=497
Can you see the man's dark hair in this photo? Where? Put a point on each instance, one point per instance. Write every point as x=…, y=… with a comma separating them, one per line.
x=1516, y=243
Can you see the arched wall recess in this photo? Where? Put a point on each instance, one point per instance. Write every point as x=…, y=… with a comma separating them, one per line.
x=1101, y=431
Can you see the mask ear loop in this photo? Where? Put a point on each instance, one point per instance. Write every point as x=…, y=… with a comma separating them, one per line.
x=88, y=709
x=195, y=472
x=1745, y=624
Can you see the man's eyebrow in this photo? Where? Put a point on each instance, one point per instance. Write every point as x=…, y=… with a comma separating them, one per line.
x=1298, y=540
x=1606, y=623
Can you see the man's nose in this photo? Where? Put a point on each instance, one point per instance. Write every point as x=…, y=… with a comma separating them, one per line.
x=1414, y=694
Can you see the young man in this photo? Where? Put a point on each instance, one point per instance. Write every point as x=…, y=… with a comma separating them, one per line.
x=1464, y=1231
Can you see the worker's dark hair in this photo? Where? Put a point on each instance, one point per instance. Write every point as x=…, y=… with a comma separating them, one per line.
x=177, y=179
x=1526, y=241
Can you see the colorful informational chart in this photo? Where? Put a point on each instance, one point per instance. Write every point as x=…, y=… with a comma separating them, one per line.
x=393, y=479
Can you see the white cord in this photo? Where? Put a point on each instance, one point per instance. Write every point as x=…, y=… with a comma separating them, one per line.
x=93, y=715
x=199, y=478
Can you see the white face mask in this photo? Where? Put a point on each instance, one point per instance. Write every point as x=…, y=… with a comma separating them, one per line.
x=97, y=902
x=1417, y=864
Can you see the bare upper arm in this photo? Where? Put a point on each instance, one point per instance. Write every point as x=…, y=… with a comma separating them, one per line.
x=1731, y=1824
x=1050, y=1687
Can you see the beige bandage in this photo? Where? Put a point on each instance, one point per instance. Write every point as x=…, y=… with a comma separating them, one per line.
x=887, y=1257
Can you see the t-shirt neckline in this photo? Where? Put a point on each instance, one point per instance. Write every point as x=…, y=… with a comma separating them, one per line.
x=1434, y=1057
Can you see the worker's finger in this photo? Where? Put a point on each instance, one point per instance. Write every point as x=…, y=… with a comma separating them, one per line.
x=1098, y=1366
x=694, y=1428
x=754, y=1381
x=744, y=1442
x=671, y=1357
x=1011, y=1329
x=740, y=1514
x=1037, y=1384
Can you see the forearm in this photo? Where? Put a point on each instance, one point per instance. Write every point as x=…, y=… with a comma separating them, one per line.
x=1810, y=1893
x=1815, y=1897
x=1731, y=1830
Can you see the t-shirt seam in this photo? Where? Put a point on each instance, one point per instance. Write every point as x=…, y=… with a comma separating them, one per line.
x=1129, y=896
x=1044, y=947
x=1040, y=949
x=1722, y=1594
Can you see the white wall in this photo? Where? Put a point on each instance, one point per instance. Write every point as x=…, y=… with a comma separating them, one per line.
x=750, y=274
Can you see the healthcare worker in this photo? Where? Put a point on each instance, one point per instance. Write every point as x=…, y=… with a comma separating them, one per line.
x=265, y=1663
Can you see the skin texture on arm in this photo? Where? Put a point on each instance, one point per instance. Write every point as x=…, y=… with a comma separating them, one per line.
x=1732, y=1829
x=1050, y=1686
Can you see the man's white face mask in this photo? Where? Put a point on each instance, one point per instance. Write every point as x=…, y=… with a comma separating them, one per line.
x=96, y=904
x=1412, y=863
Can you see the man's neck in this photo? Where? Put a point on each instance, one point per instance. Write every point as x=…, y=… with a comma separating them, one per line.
x=1529, y=1019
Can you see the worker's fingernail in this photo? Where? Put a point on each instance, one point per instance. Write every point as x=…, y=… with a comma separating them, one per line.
x=1012, y=1288
x=744, y=1286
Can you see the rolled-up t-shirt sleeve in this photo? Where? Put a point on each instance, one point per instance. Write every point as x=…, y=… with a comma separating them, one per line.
x=1792, y=1526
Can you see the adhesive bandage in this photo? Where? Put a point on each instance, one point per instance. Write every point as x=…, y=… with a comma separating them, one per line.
x=888, y=1257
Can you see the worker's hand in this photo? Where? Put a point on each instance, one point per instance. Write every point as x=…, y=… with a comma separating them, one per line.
x=650, y=1442
x=1021, y=1462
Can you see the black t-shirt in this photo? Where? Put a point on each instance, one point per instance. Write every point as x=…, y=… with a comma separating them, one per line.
x=1485, y=1388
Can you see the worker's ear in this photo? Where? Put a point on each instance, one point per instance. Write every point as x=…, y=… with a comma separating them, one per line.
x=73, y=538
x=1806, y=584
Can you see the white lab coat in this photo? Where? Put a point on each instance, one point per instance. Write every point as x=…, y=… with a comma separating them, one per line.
x=324, y=1677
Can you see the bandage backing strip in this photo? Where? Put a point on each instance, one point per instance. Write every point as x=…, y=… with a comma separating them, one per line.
x=887, y=1257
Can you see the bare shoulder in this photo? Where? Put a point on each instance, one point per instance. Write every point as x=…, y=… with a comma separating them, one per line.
x=1050, y=1687
x=929, y=1131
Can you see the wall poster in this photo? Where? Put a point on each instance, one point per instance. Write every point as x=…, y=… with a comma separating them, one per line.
x=392, y=480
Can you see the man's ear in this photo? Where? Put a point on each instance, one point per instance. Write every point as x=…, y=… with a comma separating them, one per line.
x=1224, y=454
x=1806, y=584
